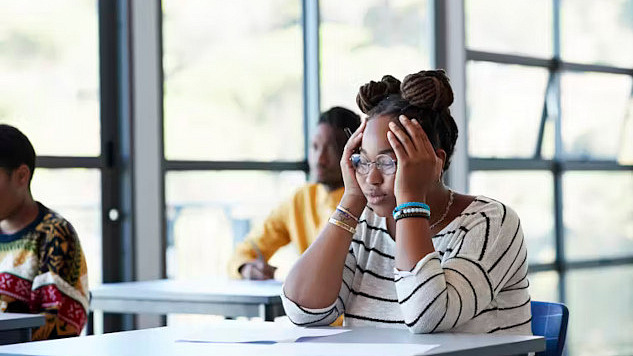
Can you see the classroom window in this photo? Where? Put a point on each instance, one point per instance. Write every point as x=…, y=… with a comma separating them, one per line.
x=601, y=317
x=596, y=32
x=505, y=105
x=485, y=18
x=535, y=209
x=549, y=121
x=364, y=40
x=232, y=80
x=49, y=70
x=207, y=215
x=605, y=230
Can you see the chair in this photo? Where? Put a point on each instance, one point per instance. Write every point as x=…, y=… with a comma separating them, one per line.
x=550, y=321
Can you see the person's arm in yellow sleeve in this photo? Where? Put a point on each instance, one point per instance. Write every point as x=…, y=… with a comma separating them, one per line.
x=268, y=238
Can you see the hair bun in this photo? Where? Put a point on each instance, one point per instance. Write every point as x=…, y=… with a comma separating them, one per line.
x=428, y=89
x=370, y=94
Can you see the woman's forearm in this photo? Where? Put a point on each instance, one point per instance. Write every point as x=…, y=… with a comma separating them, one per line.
x=413, y=242
x=315, y=280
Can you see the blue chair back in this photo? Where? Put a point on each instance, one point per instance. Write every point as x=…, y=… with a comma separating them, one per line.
x=550, y=321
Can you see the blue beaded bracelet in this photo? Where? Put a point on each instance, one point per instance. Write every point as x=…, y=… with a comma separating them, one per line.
x=411, y=205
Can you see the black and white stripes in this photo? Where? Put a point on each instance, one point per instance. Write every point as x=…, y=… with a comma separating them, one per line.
x=476, y=281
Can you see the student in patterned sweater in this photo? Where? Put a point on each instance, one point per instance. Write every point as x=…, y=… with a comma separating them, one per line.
x=402, y=250
x=42, y=266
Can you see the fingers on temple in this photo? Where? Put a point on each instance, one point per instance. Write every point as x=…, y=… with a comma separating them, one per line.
x=403, y=137
x=423, y=139
x=397, y=146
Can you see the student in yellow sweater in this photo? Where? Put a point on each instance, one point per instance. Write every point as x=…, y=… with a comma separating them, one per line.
x=299, y=219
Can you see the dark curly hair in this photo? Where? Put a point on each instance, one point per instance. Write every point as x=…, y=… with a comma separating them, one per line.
x=424, y=96
x=15, y=150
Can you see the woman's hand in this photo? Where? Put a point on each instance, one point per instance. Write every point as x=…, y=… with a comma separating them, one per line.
x=352, y=188
x=418, y=165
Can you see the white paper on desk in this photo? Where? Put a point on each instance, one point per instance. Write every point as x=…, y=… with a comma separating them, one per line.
x=306, y=349
x=264, y=334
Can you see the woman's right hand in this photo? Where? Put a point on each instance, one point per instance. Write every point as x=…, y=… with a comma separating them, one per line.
x=352, y=188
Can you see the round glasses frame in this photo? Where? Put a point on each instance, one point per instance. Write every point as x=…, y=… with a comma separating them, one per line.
x=383, y=163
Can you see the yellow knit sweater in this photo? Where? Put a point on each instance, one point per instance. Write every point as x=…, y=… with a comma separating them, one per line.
x=297, y=220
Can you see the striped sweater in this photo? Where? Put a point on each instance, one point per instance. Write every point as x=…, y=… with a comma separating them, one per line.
x=475, y=281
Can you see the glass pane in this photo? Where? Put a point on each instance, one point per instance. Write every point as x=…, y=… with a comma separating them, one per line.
x=505, y=105
x=596, y=31
x=600, y=313
x=530, y=195
x=49, y=70
x=207, y=212
x=233, y=80
x=500, y=26
x=76, y=195
x=625, y=156
x=544, y=286
x=597, y=213
x=364, y=40
x=593, y=110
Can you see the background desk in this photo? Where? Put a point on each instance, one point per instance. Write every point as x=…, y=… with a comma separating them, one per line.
x=229, y=298
x=17, y=327
x=161, y=341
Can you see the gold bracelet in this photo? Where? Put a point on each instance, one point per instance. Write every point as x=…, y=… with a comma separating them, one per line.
x=342, y=225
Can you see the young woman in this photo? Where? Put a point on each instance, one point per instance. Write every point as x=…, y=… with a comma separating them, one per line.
x=402, y=250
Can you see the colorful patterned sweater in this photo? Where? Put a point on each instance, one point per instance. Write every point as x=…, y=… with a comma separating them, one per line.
x=43, y=270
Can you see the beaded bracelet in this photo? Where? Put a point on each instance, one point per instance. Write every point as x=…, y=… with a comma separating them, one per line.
x=342, y=225
x=401, y=215
x=346, y=213
x=412, y=208
x=411, y=205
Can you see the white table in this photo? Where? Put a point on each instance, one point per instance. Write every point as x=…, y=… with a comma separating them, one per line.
x=16, y=327
x=162, y=341
x=229, y=298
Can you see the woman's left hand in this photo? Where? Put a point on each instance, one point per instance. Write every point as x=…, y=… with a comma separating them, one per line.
x=419, y=167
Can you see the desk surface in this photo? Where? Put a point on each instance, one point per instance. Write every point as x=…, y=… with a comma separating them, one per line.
x=162, y=341
x=215, y=296
x=13, y=321
x=208, y=290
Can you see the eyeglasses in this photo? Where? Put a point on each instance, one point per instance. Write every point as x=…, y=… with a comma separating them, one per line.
x=384, y=163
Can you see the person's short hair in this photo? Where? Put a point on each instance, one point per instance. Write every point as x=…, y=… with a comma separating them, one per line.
x=15, y=149
x=340, y=118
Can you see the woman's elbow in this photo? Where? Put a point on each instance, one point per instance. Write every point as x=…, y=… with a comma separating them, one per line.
x=423, y=327
x=430, y=320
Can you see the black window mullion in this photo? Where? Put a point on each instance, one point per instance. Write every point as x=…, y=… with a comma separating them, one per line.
x=557, y=170
x=178, y=165
x=71, y=162
x=117, y=230
x=544, y=115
